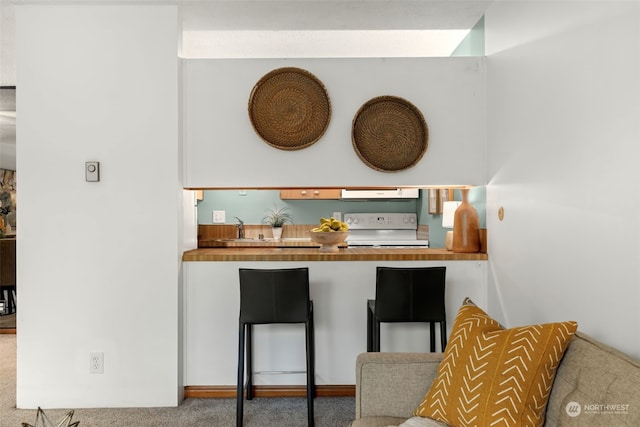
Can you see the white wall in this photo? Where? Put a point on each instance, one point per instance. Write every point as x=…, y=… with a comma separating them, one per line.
x=98, y=273
x=7, y=44
x=8, y=156
x=222, y=148
x=339, y=291
x=563, y=129
x=98, y=262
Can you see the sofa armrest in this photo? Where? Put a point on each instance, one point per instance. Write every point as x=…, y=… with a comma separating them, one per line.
x=393, y=384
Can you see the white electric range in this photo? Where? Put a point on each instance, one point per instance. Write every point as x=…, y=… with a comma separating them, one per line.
x=383, y=230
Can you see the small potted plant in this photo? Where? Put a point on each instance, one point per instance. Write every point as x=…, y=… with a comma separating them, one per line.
x=276, y=218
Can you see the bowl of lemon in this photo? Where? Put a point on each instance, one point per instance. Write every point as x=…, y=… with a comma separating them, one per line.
x=329, y=234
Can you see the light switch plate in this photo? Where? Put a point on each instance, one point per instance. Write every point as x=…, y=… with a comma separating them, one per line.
x=219, y=216
x=92, y=171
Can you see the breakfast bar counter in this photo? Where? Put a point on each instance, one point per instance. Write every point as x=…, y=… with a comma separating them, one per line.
x=343, y=254
x=339, y=290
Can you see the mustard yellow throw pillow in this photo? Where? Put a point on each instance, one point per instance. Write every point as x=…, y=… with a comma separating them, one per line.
x=491, y=376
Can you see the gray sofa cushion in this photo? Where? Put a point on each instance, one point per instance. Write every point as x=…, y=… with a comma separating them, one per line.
x=394, y=383
x=379, y=421
x=593, y=374
x=396, y=422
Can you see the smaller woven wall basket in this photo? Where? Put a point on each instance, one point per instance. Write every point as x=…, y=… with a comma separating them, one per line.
x=389, y=134
x=289, y=108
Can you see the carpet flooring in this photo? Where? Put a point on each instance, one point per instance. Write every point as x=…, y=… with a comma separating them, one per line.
x=263, y=412
x=8, y=321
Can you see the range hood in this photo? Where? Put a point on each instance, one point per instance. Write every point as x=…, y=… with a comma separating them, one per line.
x=395, y=193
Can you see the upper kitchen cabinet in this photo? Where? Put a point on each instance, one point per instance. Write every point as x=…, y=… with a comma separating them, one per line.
x=311, y=194
x=222, y=149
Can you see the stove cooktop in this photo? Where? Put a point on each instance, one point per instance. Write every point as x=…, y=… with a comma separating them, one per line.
x=383, y=230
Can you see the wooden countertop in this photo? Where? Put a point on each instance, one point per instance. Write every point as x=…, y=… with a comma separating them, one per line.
x=343, y=254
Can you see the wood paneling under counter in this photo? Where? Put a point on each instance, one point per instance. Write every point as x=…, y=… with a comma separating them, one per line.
x=344, y=254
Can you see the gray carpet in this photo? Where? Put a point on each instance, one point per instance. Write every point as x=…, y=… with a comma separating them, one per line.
x=264, y=412
x=8, y=321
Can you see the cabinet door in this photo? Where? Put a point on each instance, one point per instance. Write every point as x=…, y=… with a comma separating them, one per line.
x=302, y=194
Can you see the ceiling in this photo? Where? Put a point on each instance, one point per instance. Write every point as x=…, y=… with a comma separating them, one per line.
x=338, y=17
x=313, y=15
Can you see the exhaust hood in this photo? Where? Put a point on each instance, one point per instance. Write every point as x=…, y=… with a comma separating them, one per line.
x=396, y=193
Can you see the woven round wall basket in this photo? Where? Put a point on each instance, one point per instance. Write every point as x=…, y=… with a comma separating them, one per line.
x=389, y=134
x=289, y=108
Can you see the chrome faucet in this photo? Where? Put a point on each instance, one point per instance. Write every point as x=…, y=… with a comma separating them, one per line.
x=240, y=226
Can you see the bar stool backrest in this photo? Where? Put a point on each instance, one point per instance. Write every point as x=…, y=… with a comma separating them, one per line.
x=410, y=294
x=274, y=295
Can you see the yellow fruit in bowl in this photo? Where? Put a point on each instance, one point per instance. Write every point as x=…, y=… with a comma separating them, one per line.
x=330, y=225
x=329, y=234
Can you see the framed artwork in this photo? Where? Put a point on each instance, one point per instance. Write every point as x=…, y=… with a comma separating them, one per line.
x=8, y=197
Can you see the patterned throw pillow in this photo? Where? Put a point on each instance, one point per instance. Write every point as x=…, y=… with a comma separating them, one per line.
x=490, y=376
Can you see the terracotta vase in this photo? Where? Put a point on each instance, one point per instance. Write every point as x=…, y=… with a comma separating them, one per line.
x=465, y=226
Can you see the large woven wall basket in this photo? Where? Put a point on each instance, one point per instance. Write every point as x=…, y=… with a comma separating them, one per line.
x=289, y=108
x=389, y=134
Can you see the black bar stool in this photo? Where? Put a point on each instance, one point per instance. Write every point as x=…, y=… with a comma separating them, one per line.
x=408, y=295
x=10, y=302
x=274, y=296
x=8, y=273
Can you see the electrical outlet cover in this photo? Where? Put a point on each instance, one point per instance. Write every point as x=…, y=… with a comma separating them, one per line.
x=96, y=363
x=219, y=216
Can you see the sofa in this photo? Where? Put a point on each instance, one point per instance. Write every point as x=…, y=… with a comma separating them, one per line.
x=594, y=385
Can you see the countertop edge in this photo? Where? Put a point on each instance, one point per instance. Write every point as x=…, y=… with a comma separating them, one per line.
x=343, y=254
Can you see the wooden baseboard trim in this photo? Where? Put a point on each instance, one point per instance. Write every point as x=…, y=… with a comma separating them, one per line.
x=223, y=391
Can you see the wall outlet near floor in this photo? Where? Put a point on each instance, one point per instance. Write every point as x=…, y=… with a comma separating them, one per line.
x=96, y=362
x=218, y=216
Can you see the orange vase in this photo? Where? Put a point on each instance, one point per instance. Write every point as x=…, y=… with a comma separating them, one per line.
x=465, y=226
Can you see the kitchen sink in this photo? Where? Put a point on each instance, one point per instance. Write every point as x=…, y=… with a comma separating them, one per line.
x=268, y=239
x=242, y=240
x=254, y=242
